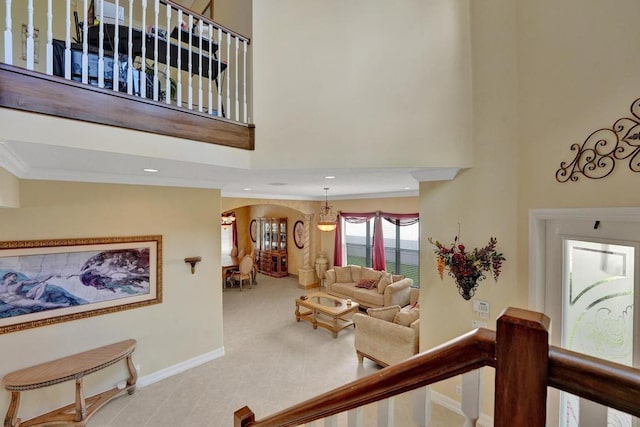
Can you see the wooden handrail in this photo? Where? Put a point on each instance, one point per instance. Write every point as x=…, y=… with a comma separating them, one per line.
x=608, y=383
x=463, y=354
x=525, y=366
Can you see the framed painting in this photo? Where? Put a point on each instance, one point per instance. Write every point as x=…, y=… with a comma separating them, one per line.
x=43, y=282
x=298, y=234
x=253, y=230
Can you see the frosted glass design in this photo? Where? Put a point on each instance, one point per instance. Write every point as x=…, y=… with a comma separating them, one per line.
x=598, y=287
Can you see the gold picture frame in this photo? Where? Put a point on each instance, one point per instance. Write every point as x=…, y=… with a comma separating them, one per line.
x=43, y=282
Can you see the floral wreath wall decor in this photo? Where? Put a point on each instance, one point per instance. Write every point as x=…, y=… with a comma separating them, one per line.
x=468, y=267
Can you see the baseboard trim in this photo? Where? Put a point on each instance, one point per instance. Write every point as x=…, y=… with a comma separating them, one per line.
x=179, y=367
x=454, y=406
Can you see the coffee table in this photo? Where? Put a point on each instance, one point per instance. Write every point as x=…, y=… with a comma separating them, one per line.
x=326, y=311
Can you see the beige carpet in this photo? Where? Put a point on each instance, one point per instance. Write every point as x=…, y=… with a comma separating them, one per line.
x=270, y=362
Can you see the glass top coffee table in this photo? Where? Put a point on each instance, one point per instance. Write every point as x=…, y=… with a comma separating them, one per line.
x=326, y=311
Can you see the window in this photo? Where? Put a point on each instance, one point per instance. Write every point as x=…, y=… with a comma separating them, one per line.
x=401, y=246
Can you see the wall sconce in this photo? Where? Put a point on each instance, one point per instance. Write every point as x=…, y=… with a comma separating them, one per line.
x=193, y=261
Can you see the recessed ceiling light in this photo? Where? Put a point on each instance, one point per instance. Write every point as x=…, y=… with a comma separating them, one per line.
x=329, y=177
x=407, y=188
x=150, y=170
x=247, y=189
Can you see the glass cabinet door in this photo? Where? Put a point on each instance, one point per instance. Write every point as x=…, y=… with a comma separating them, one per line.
x=274, y=235
x=283, y=235
x=266, y=229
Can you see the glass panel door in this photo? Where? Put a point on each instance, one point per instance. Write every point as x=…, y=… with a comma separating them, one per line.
x=597, y=317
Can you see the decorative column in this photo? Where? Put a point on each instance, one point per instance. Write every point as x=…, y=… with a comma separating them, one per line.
x=306, y=274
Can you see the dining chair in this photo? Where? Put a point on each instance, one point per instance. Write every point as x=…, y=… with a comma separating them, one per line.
x=234, y=251
x=241, y=253
x=244, y=271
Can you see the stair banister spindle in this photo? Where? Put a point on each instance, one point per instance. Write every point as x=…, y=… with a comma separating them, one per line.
x=228, y=115
x=421, y=405
x=30, y=35
x=355, y=417
x=167, y=77
x=85, y=45
x=179, y=59
x=116, y=56
x=386, y=408
x=236, y=65
x=331, y=421
x=470, y=404
x=8, y=40
x=67, y=44
x=49, y=69
x=143, y=65
x=130, y=51
x=101, y=46
x=190, y=66
x=244, y=81
x=200, y=26
x=218, y=77
x=209, y=92
x=156, y=82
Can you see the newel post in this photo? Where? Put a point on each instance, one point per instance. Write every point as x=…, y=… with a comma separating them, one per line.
x=243, y=417
x=522, y=354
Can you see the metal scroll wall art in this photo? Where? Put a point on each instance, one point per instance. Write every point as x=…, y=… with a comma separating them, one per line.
x=597, y=156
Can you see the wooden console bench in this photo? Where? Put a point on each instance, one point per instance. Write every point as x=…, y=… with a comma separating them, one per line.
x=73, y=367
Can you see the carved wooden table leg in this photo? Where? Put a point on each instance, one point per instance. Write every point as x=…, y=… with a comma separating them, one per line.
x=81, y=406
x=10, y=420
x=133, y=375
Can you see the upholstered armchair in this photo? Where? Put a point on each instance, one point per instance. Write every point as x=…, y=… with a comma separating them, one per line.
x=388, y=335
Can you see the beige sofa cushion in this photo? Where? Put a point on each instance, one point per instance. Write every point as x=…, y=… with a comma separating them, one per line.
x=368, y=297
x=343, y=274
x=384, y=313
x=406, y=317
x=371, y=274
x=356, y=273
x=385, y=280
x=344, y=288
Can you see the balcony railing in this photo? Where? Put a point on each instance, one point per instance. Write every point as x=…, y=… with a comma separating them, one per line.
x=154, y=51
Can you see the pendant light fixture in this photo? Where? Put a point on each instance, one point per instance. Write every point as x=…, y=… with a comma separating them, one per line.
x=327, y=220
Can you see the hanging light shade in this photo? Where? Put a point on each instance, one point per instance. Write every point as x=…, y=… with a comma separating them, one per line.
x=327, y=220
x=226, y=219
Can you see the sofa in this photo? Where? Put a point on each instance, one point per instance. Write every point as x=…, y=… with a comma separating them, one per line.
x=368, y=287
x=388, y=335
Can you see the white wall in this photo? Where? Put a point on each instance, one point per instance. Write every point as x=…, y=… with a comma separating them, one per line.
x=9, y=190
x=187, y=324
x=362, y=83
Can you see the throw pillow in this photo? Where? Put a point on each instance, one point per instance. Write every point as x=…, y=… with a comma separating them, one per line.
x=367, y=284
x=343, y=274
x=371, y=274
x=406, y=318
x=356, y=273
x=396, y=278
x=384, y=313
x=384, y=281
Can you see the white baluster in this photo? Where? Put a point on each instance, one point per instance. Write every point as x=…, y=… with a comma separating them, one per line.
x=200, y=67
x=236, y=81
x=167, y=80
x=130, y=51
x=156, y=82
x=471, y=397
x=67, y=44
x=85, y=45
x=8, y=38
x=331, y=421
x=49, y=69
x=422, y=406
x=245, y=119
x=355, y=417
x=101, y=46
x=209, y=92
x=228, y=115
x=30, y=52
x=116, y=48
x=143, y=65
x=385, y=412
x=179, y=73
x=592, y=414
x=218, y=86
x=190, y=65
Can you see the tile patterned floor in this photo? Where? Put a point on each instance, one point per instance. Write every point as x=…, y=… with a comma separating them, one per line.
x=270, y=362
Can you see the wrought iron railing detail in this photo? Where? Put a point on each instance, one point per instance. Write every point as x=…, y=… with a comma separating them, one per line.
x=597, y=156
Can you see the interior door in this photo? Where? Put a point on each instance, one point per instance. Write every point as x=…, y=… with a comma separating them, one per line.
x=592, y=286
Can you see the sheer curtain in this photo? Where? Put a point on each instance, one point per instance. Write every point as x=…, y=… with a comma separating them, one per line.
x=379, y=261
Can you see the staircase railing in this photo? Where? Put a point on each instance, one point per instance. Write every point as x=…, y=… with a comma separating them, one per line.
x=154, y=49
x=525, y=366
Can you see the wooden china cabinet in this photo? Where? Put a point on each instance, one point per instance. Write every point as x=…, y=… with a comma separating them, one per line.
x=271, y=256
